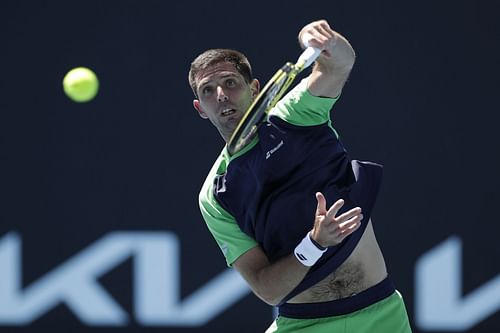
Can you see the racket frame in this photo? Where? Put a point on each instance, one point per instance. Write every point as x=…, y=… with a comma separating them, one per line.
x=268, y=97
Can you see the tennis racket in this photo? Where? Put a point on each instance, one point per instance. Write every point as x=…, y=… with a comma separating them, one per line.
x=267, y=99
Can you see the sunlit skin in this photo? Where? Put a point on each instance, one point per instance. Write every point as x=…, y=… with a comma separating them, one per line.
x=223, y=97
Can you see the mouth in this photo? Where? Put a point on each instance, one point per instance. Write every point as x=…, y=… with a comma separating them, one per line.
x=227, y=112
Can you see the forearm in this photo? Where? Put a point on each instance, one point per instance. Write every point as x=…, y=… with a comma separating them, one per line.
x=339, y=59
x=277, y=280
x=335, y=62
x=331, y=71
x=271, y=282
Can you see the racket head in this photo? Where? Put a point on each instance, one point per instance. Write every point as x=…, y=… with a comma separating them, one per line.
x=257, y=113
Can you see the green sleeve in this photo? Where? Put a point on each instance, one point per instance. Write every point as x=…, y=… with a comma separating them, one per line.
x=231, y=240
x=300, y=108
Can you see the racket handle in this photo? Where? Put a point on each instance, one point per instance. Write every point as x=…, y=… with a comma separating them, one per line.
x=307, y=57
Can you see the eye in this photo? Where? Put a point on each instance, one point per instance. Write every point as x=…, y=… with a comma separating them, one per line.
x=207, y=90
x=230, y=83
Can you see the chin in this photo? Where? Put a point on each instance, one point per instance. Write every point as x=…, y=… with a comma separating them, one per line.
x=233, y=121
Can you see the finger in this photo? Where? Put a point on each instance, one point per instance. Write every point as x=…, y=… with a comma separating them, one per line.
x=341, y=234
x=315, y=35
x=334, y=209
x=347, y=215
x=313, y=39
x=353, y=220
x=350, y=229
x=347, y=229
x=325, y=30
x=321, y=207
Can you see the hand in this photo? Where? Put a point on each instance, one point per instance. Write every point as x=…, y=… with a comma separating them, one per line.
x=320, y=35
x=334, y=63
x=329, y=229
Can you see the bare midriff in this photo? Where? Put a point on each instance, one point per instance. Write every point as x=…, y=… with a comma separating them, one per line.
x=364, y=268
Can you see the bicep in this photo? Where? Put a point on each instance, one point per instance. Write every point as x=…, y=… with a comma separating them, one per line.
x=250, y=263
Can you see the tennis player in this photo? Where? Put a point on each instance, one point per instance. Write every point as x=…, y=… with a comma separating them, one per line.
x=291, y=210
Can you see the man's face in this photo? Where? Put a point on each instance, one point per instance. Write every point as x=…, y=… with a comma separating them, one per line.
x=224, y=96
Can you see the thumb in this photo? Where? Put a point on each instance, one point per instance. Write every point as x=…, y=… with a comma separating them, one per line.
x=321, y=208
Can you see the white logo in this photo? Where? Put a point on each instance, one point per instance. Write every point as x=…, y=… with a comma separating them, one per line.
x=439, y=304
x=272, y=151
x=156, y=284
x=224, y=248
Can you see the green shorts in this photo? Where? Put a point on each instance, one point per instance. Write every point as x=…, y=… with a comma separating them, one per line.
x=385, y=316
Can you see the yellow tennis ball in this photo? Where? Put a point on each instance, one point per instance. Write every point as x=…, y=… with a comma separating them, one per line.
x=81, y=84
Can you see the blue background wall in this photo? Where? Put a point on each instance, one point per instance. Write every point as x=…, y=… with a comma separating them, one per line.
x=422, y=100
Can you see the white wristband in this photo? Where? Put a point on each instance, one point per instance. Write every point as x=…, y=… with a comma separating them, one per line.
x=308, y=253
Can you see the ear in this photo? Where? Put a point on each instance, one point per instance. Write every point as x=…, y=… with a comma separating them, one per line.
x=255, y=87
x=197, y=106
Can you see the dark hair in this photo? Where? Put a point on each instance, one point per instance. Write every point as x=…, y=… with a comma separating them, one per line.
x=213, y=57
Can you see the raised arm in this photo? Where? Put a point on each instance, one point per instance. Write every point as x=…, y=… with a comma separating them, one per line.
x=335, y=62
x=272, y=282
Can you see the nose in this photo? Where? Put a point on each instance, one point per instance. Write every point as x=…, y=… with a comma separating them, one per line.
x=221, y=96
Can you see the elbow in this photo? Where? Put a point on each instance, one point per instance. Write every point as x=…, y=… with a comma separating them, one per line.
x=274, y=301
x=269, y=300
x=350, y=63
x=269, y=296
